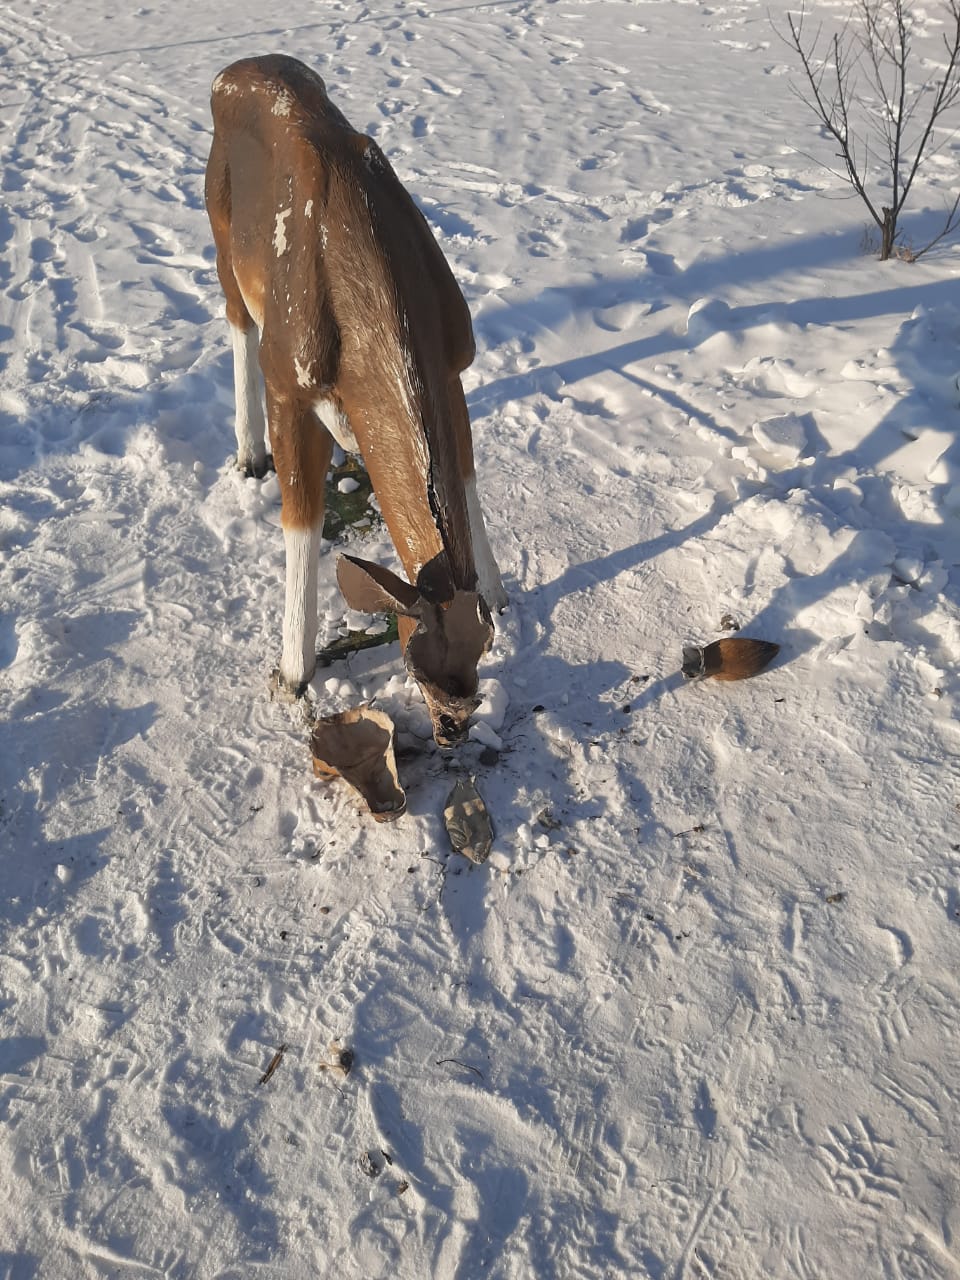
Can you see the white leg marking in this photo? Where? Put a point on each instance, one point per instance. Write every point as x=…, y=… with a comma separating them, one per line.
x=488, y=575
x=337, y=424
x=299, y=657
x=250, y=427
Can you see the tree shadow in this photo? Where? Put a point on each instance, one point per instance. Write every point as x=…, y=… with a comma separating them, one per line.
x=883, y=529
x=881, y=512
x=19, y=1266
x=546, y=311
x=608, y=567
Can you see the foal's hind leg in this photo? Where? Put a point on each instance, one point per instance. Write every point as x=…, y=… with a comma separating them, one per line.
x=250, y=428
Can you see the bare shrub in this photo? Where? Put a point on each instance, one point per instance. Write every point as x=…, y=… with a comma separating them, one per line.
x=859, y=84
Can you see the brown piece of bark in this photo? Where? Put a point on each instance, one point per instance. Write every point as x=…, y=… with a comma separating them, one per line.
x=358, y=746
x=734, y=658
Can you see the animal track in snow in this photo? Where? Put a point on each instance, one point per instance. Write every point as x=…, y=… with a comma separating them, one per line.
x=859, y=1164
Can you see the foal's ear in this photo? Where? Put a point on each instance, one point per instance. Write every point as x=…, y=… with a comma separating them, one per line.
x=370, y=588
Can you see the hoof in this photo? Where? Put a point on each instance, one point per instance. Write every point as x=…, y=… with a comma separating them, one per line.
x=281, y=691
x=495, y=598
x=254, y=470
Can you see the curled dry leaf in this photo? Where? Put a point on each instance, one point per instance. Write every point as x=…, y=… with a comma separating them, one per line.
x=358, y=746
x=734, y=658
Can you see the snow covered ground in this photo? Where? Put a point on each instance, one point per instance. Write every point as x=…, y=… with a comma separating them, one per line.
x=699, y=1016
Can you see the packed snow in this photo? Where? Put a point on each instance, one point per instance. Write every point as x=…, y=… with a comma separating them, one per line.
x=698, y=1014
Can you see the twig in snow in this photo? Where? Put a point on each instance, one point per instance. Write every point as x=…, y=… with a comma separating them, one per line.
x=465, y=1065
x=274, y=1063
x=444, y=867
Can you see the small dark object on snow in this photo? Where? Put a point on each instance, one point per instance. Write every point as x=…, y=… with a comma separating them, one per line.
x=467, y=821
x=368, y=1165
x=274, y=1063
x=358, y=746
x=465, y=1065
x=834, y=898
x=546, y=820
x=342, y=1060
x=729, y=623
x=731, y=659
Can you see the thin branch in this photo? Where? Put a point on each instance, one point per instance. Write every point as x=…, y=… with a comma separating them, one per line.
x=946, y=94
x=902, y=119
x=834, y=117
x=951, y=225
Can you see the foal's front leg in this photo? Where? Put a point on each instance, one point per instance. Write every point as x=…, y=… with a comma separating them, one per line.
x=302, y=449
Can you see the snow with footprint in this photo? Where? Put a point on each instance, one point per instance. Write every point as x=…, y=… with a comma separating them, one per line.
x=698, y=1015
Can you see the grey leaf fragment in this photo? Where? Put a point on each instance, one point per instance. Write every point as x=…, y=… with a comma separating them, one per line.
x=467, y=821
